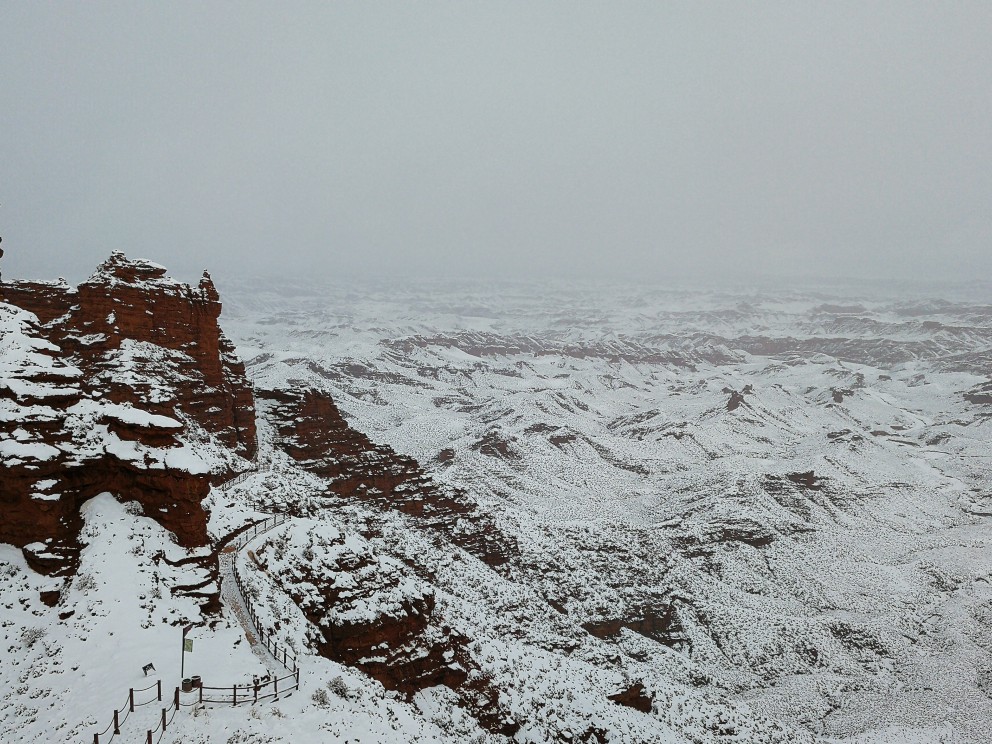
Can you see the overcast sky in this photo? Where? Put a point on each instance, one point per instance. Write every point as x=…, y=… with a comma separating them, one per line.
x=545, y=139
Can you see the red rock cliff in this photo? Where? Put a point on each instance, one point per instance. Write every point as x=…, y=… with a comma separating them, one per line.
x=102, y=387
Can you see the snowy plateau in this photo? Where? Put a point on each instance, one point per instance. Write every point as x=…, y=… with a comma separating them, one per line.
x=612, y=514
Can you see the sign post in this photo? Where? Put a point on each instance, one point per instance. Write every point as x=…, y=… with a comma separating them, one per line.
x=187, y=648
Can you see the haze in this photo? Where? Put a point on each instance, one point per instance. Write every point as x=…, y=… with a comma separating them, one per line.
x=620, y=140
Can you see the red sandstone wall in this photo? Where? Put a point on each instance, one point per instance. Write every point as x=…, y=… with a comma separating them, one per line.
x=191, y=371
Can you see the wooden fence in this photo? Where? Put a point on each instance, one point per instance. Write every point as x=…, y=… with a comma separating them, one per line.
x=264, y=689
x=131, y=704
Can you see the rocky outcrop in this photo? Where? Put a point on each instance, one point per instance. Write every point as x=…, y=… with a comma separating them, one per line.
x=313, y=432
x=737, y=397
x=741, y=529
x=980, y=395
x=101, y=388
x=369, y=612
x=807, y=479
x=130, y=302
x=634, y=697
x=659, y=623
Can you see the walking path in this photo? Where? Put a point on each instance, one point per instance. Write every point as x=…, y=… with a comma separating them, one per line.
x=166, y=705
x=233, y=600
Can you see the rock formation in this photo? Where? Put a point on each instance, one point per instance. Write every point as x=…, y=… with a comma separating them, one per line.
x=102, y=387
x=737, y=397
x=370, y=612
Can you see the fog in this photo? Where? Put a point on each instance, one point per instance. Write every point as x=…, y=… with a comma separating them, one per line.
x=542, y=140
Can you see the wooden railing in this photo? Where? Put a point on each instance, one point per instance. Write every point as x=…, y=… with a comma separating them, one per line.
x=241, y=477
x=164, y=722
x=258, y=528
x=129, y=708
x=265, y=637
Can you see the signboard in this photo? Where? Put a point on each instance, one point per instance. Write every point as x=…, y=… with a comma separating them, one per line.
x=187, y=645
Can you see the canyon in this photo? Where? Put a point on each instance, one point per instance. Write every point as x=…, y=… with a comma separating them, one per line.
x=514, y=513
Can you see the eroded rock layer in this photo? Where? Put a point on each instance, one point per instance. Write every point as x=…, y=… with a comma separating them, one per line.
x=370, y=612
x=314, y=433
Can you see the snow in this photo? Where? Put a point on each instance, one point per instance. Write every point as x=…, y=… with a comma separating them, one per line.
x=75, y=673
x=28, y=389
x=150, y=264
x=11, y=411
x=185, y=458
x=92, y=338
x=22, y=352
x=12, y=449
x=126, y=414
x=127, y=450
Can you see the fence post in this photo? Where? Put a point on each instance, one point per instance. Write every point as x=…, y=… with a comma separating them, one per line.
x=159, y=689
x=163, y=720
x=201, y=693
x=235, y=688
x=96, y=738
x=284, y=658
x=177, y=699
x=117, y=723
x=297, y=675
x=149, y=739
x=130, y=700
x=275, y=686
